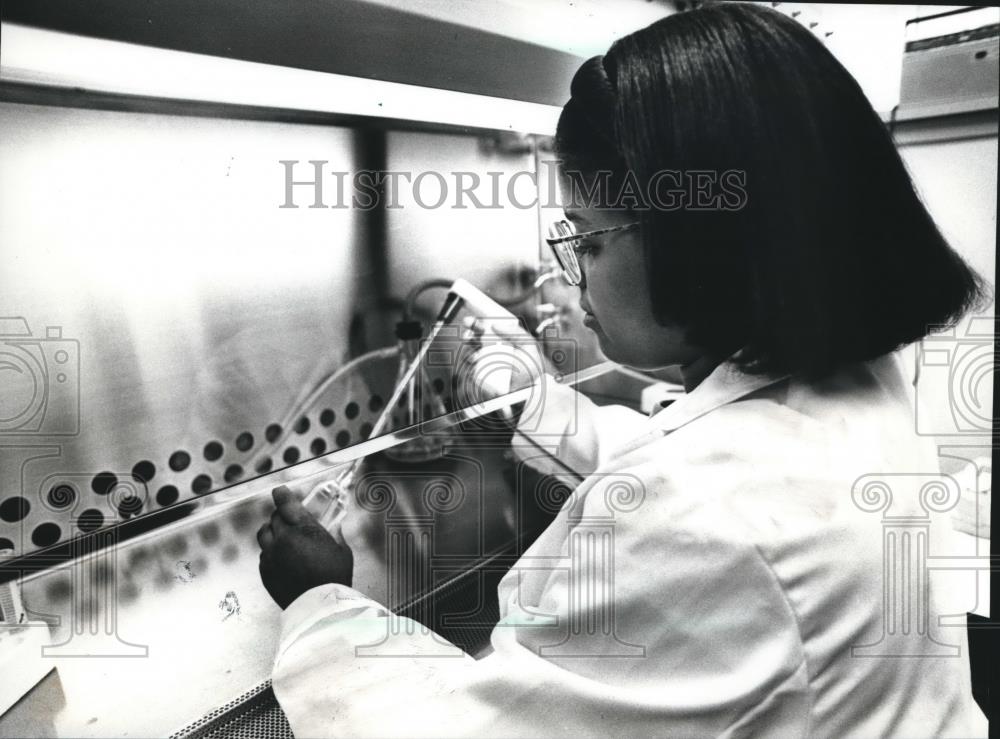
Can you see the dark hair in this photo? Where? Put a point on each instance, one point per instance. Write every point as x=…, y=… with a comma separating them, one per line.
x=832, y=258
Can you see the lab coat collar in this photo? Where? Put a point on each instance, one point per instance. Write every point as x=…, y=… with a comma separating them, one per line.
x=725, y=384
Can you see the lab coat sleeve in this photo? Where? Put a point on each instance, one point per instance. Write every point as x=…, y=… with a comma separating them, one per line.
x=574, y=429
x=702, y=642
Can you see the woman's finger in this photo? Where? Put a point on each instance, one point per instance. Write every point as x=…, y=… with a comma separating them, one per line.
x=265, y=537
x=289, y=507
x=277, y=523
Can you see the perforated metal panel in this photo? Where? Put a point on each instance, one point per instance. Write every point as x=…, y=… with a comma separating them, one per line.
x=153, y=372
x=254, y=715
x=58, y=506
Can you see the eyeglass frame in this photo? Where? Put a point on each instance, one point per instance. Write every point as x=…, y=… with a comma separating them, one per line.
x=555, y=242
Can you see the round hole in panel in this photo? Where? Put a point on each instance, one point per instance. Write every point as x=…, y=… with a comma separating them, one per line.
x=375, y=403
x=179, y=460
x=272, y=432
x=90, y=520
x=212, y=451
x=14, y=509
x=61, y=495
x=264, y=466
x=291, y=455
x=128, y=592
x=302, y=425
x=104, y=482
x=327, y=417
x=366, y=430
x=352, y=410
x=129, y=505
x=5, y=543
x=176, y=545
x=138, y=557
x=163, y=579
x=317, y=447
x=233, y=473
x=167, y=495
x=244, y=442
x=45, y=535
x=241, y=518
x=343, y=438
x=143, y=471
x=201, y=484
x=209, y=533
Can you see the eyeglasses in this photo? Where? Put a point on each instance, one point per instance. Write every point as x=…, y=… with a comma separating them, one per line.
x=565, y=241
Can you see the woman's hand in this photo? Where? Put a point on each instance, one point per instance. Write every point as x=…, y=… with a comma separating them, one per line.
x=297, y=554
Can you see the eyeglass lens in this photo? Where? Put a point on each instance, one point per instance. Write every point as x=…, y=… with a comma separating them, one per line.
x=565, y=253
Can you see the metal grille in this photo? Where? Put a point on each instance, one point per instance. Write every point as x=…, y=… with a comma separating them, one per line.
x=254, y=715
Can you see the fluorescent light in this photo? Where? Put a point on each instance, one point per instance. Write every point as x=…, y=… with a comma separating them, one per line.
x=41, y=57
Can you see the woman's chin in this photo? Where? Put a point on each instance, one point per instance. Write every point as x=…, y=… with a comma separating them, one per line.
x=607, y=347
x=636, y=360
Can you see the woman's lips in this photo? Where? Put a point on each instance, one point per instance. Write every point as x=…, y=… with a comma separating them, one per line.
x=590, y=321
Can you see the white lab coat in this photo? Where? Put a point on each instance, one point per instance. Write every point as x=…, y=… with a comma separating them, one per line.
x=711, y=577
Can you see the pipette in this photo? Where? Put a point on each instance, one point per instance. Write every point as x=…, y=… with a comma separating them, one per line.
x=333, y=495
x=335, y=492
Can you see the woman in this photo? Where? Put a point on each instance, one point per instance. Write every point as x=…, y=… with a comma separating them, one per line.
x=740, y=588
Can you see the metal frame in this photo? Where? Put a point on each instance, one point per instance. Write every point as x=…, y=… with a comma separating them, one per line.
x=70, y=97
x=958, y=127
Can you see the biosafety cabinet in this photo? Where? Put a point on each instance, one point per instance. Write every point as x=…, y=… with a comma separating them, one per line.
x=205, y=292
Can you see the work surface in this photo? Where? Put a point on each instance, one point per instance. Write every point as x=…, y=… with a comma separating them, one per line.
x=157, y=631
